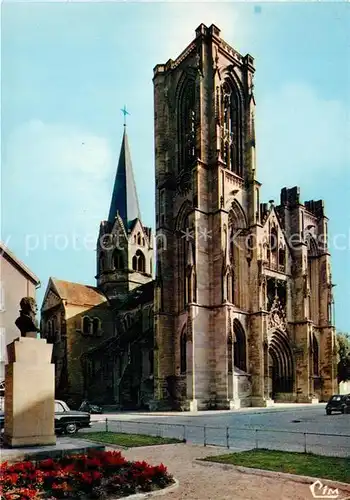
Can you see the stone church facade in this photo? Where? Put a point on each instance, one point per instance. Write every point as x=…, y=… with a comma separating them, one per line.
x=240, y=311
x=243, y=288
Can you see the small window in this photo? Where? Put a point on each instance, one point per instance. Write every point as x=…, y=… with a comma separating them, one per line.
x=86, y=325
x=95, y=326
x=139, y=238
x=118, y=260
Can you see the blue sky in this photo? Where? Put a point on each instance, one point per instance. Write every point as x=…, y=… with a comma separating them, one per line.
x=68, y=68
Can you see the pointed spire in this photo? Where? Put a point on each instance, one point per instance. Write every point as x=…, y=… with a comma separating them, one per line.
x=124, y=197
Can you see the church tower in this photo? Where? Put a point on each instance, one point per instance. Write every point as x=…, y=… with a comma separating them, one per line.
x=124, y=246
x=206, y=192
x=236, y=321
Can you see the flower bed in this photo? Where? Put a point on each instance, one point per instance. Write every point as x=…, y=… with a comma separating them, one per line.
x=95, y=475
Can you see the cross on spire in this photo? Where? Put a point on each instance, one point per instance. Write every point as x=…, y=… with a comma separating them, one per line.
x=125, y=112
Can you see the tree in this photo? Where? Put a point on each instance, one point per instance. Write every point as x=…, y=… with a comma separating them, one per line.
x=343, y=340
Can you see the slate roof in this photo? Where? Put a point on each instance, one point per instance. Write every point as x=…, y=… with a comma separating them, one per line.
x=124, y=196
x=78, y=294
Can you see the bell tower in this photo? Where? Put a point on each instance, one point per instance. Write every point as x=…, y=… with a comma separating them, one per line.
x=206, y=190
x=124, y=245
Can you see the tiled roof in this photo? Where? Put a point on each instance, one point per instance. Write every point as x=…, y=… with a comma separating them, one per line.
x=78, y=294
x=18, y=264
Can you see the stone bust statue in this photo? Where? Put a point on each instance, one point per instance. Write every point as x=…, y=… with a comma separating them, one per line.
x=26, y=322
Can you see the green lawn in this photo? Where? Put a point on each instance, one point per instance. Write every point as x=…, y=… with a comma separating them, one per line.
x=128, y=440
x=303, y=464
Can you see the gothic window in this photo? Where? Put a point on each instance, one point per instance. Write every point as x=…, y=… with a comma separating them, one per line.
x=143, y=242
x=151, y=361
x=315, y=356
x=183, y=352
x=273, y=248
x=150, y=266
x=139, y=238
x=118, y=260
x=240, y=349
x=135, y=238
x=187, y=124
x=282, y=259
x=231, y=148
x=86, y=325
x=229, y=287
x=139, y=262
x=229, y=355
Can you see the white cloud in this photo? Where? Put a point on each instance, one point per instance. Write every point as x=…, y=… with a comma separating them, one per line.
x=300, y=136
x=56, y=180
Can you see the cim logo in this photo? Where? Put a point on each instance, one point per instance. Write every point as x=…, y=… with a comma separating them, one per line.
x=319, y=490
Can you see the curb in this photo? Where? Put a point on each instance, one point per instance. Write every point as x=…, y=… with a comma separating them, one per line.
x=281, y=475
x=151, y=494
x=108, y=445
x=243, y=411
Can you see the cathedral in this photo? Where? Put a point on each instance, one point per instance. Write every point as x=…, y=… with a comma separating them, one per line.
x=240, y=310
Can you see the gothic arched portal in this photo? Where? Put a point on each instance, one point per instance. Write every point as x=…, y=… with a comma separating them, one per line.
x=281, y=364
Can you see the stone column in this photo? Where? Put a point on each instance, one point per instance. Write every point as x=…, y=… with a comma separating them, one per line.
x=30, y=393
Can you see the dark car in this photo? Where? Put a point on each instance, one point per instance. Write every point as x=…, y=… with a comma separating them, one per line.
x=90, y=408
x=338, y=403
x=69, y=421
x=66, y=421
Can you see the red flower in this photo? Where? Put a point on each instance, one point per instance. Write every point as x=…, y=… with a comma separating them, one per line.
x=47, y=464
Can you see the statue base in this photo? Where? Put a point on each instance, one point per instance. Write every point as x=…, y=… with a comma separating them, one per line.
x=29, y=393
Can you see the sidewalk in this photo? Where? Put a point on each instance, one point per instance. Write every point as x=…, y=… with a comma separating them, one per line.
x=277, y=407
x=214, y=482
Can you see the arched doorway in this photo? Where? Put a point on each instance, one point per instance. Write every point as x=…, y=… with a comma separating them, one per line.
x=281, y=365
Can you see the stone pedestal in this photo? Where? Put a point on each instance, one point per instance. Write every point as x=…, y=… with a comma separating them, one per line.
x=29, y=393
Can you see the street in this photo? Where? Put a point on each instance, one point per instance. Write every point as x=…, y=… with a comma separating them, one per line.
x=290, y=428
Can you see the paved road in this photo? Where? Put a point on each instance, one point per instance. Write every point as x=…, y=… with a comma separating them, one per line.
x=283, y=428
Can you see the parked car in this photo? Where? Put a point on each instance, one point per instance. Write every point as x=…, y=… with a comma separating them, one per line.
x=338, y=403
x=66, y=421
x=90, y=408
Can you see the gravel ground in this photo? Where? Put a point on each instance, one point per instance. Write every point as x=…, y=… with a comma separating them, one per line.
x=213, y=483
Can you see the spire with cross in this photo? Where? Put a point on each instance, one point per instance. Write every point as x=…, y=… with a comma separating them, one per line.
x=125, y=112
x=124, y=197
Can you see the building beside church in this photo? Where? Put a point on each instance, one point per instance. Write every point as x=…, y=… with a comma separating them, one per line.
x=240, y=312
x=16, y=281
